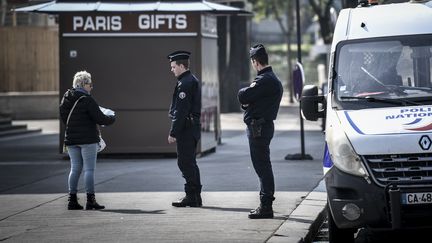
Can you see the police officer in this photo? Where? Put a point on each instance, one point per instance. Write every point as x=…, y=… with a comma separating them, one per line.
x=185, y=113
x=260, y=102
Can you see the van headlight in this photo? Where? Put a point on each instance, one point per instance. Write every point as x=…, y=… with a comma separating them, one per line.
x=342, y=153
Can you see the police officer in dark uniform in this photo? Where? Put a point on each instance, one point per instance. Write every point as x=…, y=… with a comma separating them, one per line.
x=185, y=113
x=261, y=101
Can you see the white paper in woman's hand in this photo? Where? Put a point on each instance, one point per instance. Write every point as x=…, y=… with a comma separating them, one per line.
x=106, y=111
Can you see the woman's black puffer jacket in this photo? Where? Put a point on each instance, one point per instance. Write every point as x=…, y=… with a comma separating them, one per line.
x=82, y=127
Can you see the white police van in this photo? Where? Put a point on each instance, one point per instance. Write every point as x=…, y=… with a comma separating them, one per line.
x=378, y=110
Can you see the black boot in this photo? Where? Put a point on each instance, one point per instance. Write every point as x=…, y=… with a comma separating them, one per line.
x=73, y=202
x=91, y=202
x=198, y=196
x=189, y=200
x=262, y=212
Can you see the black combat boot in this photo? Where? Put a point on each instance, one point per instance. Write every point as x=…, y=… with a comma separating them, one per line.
x=190, y=200
x=198, y=196
x=73, y=202
x=264, y=211
x=91, y=202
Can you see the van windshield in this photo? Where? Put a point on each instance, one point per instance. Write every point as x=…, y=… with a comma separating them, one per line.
x=392, y=68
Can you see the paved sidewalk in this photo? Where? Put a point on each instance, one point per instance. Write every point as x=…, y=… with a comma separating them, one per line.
x=304, y=222
x=138, y=192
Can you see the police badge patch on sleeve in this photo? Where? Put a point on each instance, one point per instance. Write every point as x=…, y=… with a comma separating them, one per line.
x=182, y=95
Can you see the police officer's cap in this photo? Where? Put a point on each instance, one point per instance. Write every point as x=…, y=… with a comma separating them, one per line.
x=258, y=49
x=179, y=55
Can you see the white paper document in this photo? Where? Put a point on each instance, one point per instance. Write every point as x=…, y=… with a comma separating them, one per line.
x=106, y=111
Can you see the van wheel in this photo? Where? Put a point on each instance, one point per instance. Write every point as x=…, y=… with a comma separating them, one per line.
x=337, y=235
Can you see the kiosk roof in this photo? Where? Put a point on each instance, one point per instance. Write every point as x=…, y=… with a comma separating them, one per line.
x=55, y=7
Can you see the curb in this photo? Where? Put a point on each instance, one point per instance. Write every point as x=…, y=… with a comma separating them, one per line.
x=304, y=222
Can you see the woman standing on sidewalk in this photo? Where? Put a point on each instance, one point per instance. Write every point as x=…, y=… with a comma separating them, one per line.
x=81, y=115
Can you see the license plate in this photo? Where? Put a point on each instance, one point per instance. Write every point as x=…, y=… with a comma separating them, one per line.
x=417, y=198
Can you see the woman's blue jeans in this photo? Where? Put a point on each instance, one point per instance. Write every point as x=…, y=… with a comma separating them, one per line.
x=82, y=156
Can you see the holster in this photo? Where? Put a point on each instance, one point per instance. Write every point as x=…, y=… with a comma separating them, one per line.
x=189, y=122
x=256, y=127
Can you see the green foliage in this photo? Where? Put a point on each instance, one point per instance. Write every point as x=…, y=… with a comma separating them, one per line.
x=266, y=8
x=275, y=9
x=259, y=9
x=281, y=49
x=278, y=60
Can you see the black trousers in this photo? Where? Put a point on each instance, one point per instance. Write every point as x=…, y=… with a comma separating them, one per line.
x=186, y=159
x=260, y=156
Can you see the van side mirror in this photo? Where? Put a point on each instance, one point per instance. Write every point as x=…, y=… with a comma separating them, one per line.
x=309, y=103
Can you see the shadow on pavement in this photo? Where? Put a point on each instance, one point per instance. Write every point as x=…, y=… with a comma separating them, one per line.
x=227, y=209
x=133, y=211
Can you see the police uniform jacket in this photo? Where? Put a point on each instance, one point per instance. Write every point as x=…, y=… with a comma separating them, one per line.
x=185, y=110
x=262, y=98
x=82, y=127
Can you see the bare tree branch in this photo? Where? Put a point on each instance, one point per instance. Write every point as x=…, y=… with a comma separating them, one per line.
x=278, y=18
x=315, y=7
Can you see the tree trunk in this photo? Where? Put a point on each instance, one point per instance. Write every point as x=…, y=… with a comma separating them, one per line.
x=326, y=29
x=324, y=21
x=236, y=75
x=349, y=3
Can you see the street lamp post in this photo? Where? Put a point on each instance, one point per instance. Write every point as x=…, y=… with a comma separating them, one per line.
x=302, y=155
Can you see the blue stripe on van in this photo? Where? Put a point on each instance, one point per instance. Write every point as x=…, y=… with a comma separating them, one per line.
x=352, y=123
x=327, y=162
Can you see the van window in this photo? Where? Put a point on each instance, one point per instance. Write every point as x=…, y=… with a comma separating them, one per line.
x=390, y=68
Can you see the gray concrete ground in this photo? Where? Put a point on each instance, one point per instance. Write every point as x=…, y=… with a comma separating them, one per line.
x=138, y=191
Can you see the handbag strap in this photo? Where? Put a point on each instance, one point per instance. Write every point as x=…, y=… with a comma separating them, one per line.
x=73, y=107
x=70, y=112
